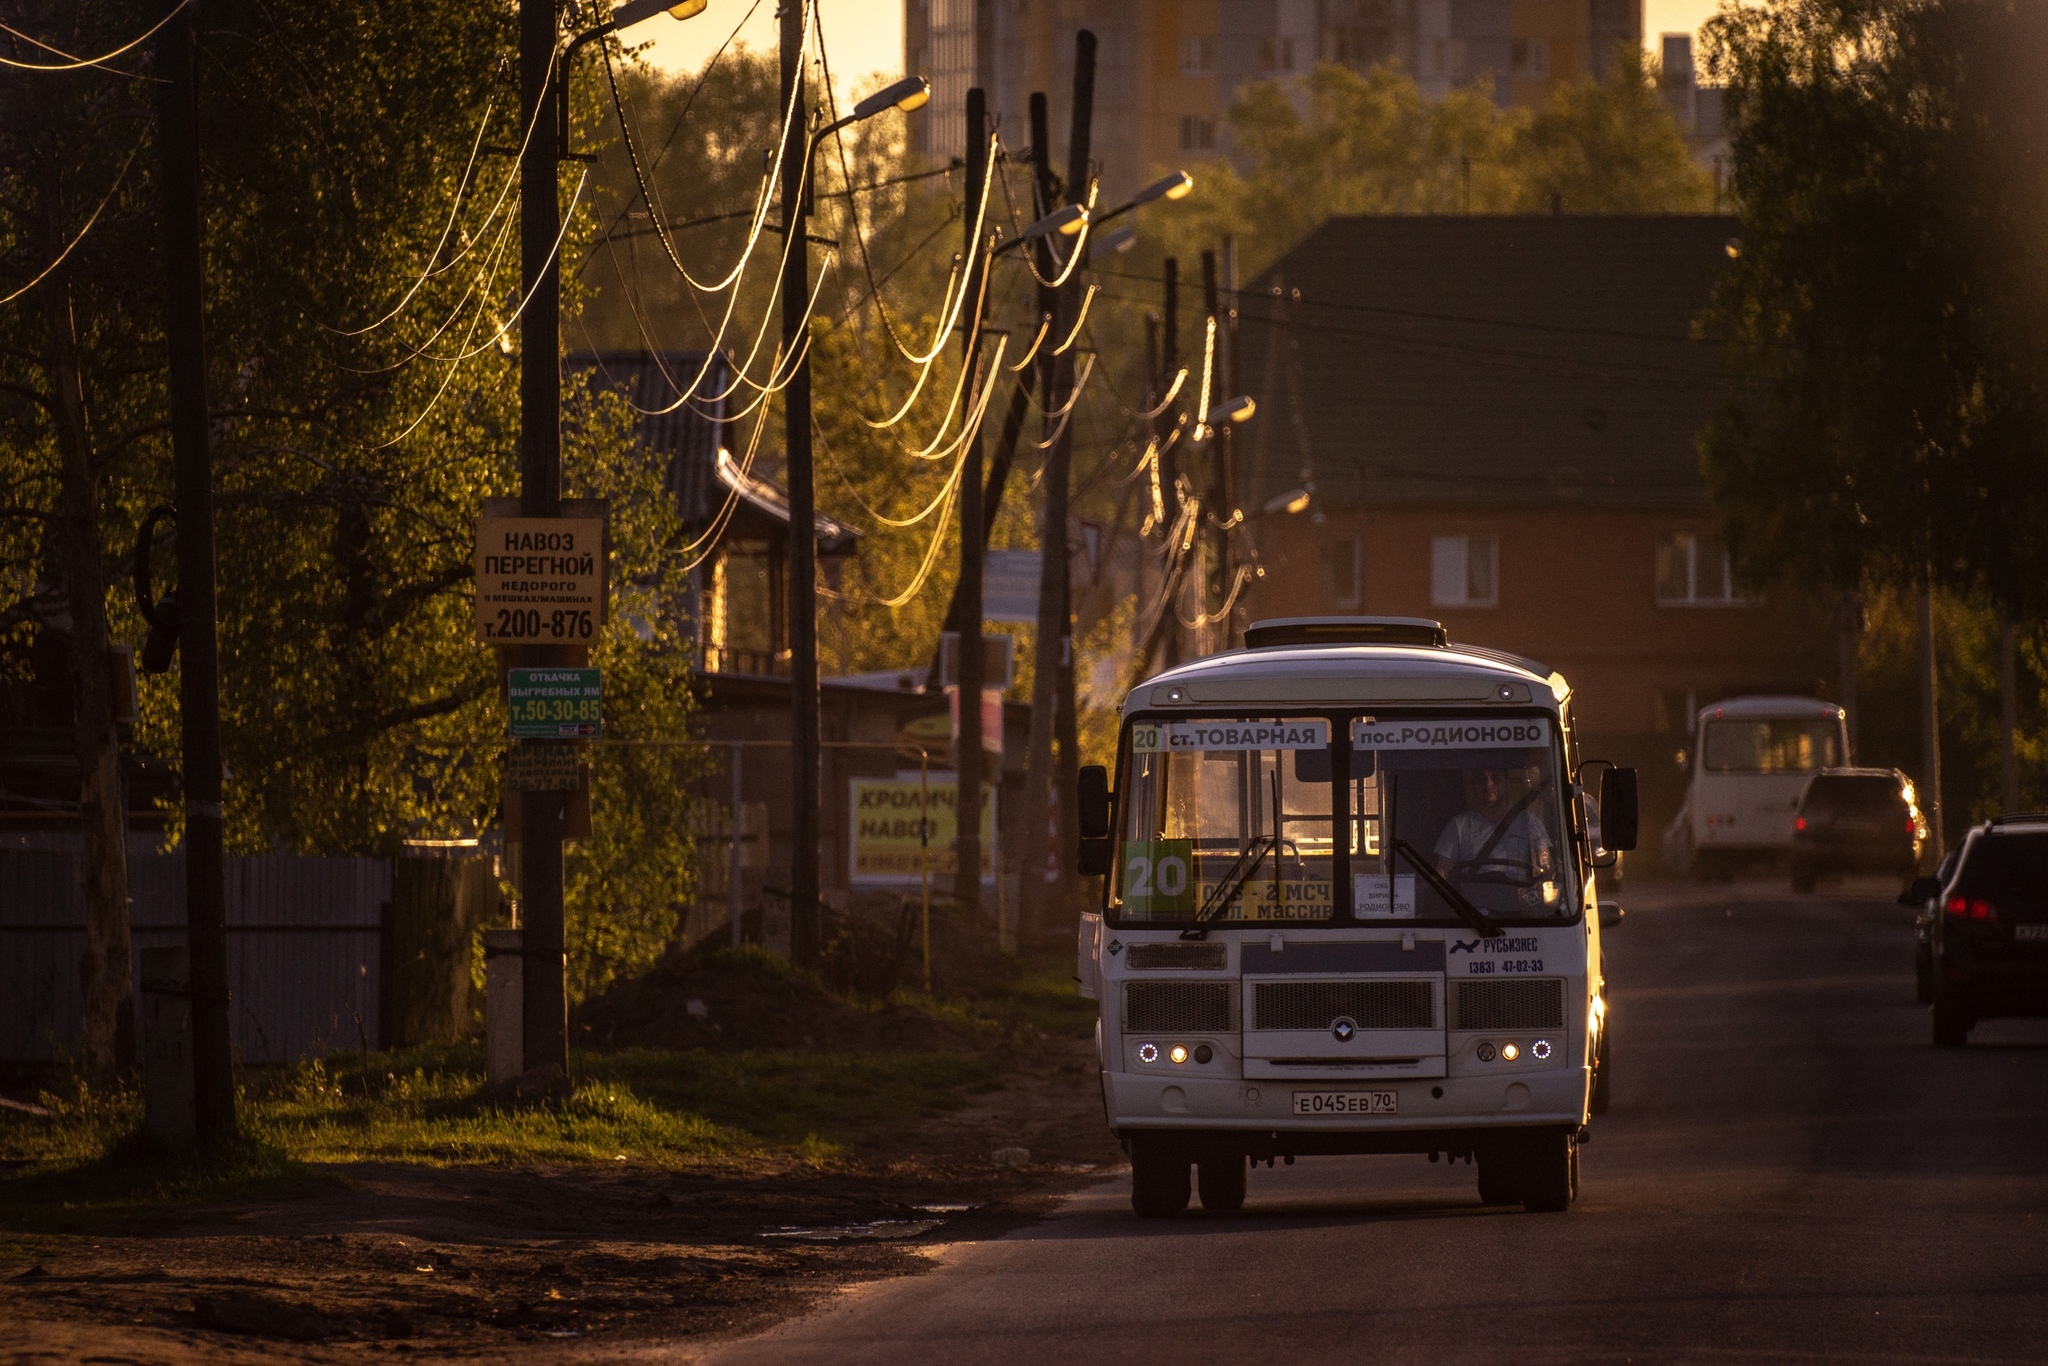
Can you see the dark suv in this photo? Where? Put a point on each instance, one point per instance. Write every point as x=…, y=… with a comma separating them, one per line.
x=1990, y=933
x=1856, y=820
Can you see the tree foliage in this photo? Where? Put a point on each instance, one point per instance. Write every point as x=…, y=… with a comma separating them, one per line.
x=1340, y=142
x=1888, y=313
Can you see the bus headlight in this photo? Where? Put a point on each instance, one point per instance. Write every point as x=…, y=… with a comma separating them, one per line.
x=1179, y=1053
x=1510, y=1051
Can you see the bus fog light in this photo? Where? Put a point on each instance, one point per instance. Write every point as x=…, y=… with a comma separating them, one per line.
x=1510, y=1051
x=1179, y=1053
x=1148, y=1052
x=1203, y=1052
x=1484, y=1052
x=1540, y=1049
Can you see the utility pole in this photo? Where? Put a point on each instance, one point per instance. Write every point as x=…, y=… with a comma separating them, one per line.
x=968, y=657
x=803, y=521
x=1169, y=453
x=2008, y=716
x=1930, y=722
x=1052, y=672
x=213, y=1074
x=1216, y=497
x=544, y=1009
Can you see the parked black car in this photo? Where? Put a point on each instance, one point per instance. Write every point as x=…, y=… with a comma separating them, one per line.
x=1927, y=906
x=1856, y=820
x=1990, y=938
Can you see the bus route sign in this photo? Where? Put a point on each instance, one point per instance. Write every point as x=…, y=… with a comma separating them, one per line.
x=539, y=580
x=555, y=704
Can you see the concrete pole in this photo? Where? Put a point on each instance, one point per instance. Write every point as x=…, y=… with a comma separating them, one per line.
x=973, y=537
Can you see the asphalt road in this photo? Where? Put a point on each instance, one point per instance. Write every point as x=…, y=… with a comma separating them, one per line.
x=1789, y=1172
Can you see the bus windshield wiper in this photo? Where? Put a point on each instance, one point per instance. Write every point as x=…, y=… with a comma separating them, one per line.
x=1247, y=863
x=1459, y=903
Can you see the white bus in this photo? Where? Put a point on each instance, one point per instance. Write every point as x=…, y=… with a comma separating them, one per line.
x=1349, y=908
x=1751, y=759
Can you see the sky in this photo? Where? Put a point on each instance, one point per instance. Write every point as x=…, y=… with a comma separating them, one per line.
x=866, y=36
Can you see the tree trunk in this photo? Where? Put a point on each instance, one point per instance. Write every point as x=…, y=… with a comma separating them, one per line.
x=105, y=972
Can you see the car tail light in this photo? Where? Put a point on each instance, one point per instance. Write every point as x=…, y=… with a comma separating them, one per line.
x=1971, y=908
x=1912, y=828
x=1799, y=822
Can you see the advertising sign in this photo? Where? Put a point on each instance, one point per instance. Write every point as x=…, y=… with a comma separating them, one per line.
x=555, y=704
x=539, y=580
x=889, y=846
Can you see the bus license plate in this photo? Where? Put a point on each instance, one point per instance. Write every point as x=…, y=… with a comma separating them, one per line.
x=2030, y=931
x=1345, y=1102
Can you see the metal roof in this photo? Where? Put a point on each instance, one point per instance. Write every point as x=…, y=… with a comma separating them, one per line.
x=1484, y=359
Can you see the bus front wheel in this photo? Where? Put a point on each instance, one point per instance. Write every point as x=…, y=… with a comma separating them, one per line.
x=1221, y=1179
x=1159, y=1178
x=1500, y=1178
x=1550, y=1171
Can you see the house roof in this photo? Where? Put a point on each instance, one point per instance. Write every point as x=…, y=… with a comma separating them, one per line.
x=689, y=436
x=1484, y=359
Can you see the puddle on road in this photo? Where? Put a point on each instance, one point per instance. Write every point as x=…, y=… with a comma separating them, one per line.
x=881, y=1230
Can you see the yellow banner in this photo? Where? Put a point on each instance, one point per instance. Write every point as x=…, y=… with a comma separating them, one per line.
x=901, y=829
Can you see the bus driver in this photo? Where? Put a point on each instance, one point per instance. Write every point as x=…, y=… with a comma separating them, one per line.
x=1498, y=840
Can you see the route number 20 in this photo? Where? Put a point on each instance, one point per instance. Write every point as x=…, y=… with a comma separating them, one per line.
x=1159, y=877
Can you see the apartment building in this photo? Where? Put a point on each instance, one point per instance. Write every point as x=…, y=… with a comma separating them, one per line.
x=1167, y=70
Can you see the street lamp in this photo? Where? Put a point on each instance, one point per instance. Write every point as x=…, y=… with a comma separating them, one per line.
x=625, y=16
x=1232, y=410
x=1179, y=185
x=910, y=93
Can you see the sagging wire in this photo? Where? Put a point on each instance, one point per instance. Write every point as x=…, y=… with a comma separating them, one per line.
x=867, y=264
x=1172, y=392
x=980, y=409
x=75, y=63
x=785, y=367
x=657, y=214
x=553, y=253
x=454, y=217
x=454, y=363
x=1077, y=253
x=1202, y=619
x=1080, y=321
x=1044, y=326
x=1065, y=412
x=1208, y=373
x=950, y=307
x=72, y=245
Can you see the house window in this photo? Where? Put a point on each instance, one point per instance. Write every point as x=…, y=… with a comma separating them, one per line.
x=1198, y=54
x=1531, y=57
x=1343, y=571
x=1276, y=54
x=1462, y=571
x=1693, y=570
x=1197, y=134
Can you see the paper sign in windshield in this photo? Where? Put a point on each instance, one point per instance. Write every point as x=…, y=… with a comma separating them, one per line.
x=1371, y=896
x=1488, y=734
x=1230, y=735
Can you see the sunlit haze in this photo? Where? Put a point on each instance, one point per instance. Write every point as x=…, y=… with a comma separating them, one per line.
x=862, y=37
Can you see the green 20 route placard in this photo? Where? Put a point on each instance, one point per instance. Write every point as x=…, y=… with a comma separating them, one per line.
x=555, y=704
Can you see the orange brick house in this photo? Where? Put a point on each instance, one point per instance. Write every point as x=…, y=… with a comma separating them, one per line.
x=1494, y=419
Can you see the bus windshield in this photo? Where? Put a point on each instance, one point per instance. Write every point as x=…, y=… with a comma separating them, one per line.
x=1235, y=820
x=1772, y=744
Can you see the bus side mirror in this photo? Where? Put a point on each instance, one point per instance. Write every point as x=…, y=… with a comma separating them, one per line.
x=1093, y=794
x=1092, y=809
x=1611, y=915
x=1618, y=809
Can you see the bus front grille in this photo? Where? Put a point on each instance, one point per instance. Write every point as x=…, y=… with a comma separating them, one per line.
x=1526, y=1003
x=1176, y=1007
x=1369, y=1005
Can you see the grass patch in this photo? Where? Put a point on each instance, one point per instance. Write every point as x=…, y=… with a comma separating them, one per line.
x=429, y=1105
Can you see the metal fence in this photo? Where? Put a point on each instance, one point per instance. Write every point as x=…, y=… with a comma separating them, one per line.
x=304, y=937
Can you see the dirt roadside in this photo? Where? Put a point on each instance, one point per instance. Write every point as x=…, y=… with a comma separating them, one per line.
x=539, y=1264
